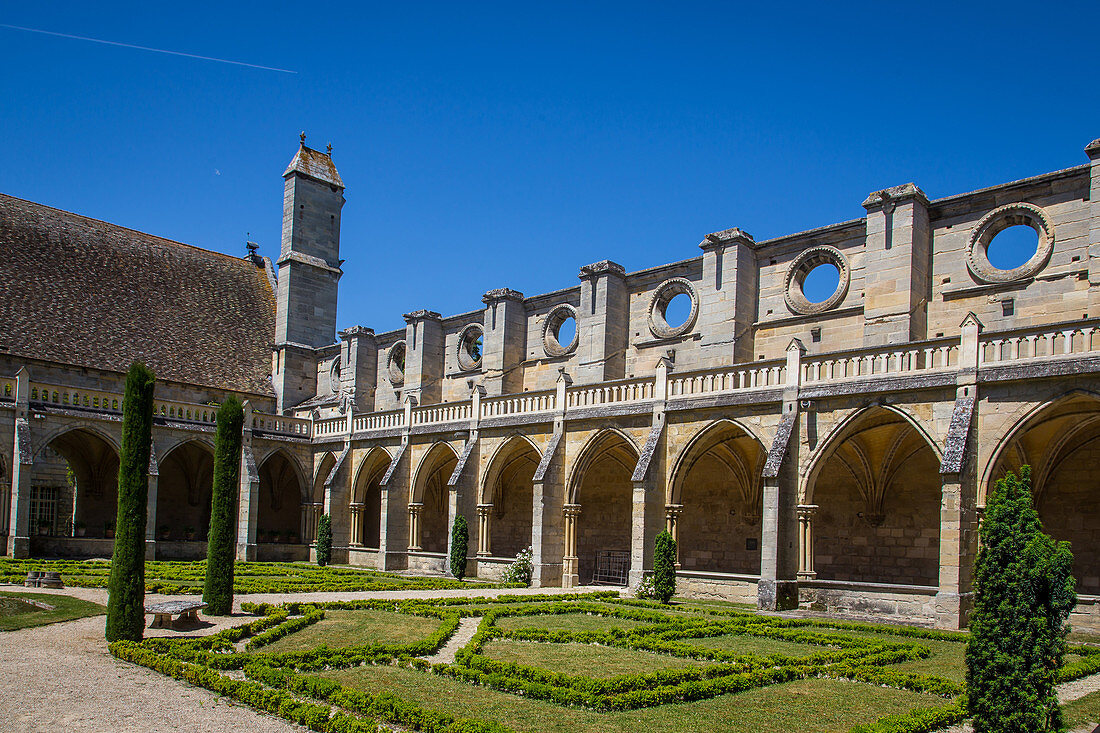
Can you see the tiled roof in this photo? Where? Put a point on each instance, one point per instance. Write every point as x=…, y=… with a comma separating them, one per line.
x=315, y=164
x=79, y=291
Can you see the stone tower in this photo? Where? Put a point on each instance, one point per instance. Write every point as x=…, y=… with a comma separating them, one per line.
x=309, y=272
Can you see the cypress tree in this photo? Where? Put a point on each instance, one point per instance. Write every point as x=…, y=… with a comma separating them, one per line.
x=1023, y=594
x=126, y=587
x=460, y=538
x=221, y=541
x=324, y=540
x=664, y=567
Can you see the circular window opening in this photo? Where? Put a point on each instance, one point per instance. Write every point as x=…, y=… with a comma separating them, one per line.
x=1013, y=247
x=817, y=280
x=999, y=252
x=559, y=332
x=395, y=363
x=678, y=310
x=821, y=282
x=334, y=376
x=567, y=331
x=470, y=341
x=673, y=308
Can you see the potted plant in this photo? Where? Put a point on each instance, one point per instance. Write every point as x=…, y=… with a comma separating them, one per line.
x=79, y=528
x=189, y=533
x=109, y=530
x=165, y=531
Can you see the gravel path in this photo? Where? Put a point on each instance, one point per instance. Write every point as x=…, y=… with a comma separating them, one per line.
x=1067, y=692
x=467, y=627
x=61, y=678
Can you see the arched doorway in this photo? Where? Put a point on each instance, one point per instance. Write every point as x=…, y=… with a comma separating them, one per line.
x=279, y=515
x=598, y=515
x=75, y=485
x=506, y=499
x=428, y=509
x=315, y=507
x=716, y=500
x=366, y=500
x=1061, y=443
x=184, y=487
x=877, y=489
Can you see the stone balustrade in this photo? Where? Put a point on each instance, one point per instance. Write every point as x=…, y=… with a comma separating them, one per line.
x=281, y=425
x=522, y=404
x=1072, y=340
x=761, y=375
x=610, y=393
x=435, y=414
x=919, y=356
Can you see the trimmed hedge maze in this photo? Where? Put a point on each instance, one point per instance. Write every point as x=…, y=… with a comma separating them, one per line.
x=327, y=689
x=179, y=577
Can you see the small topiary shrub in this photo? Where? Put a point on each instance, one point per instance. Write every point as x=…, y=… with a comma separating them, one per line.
x=126, y=587
x=324, y=540
x=222, y=538
x=1023, y=594
x=460, y=539
x=664, y=567
x=519, y=572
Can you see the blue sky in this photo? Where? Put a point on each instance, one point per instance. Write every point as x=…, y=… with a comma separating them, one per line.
x=494, y=145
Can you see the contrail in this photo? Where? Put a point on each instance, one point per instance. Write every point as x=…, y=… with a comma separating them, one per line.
x=145, y=48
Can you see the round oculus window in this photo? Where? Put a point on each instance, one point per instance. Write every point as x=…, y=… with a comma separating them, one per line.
x=995, y=222
x=662, y=322
x=560, y=321
x=395, y=363
x=794, y=293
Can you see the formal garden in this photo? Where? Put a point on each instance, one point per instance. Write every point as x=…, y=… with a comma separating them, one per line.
x=584, y=662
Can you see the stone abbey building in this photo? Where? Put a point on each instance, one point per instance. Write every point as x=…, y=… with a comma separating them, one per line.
x=833, y=454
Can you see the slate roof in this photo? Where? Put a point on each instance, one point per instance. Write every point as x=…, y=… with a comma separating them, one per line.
x=315, y=164
x=80, y=291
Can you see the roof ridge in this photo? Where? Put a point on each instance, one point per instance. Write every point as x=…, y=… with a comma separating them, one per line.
x=126, y=229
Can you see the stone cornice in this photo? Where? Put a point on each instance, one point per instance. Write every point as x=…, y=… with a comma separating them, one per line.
x=725, y=238
x=603, y=267
x=499, y=294
x=897, y=194
x=422, y=315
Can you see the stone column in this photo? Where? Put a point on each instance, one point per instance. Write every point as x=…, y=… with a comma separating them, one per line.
x=672, y=514
x=806, y=569
x=19, y=516
x=248, y=508
x=638, y=530
x=602, y=323
x=570, y=577
x=356, y=510
x=505, y=331
x=484, y=514
x=151, y=506
x=414, y=525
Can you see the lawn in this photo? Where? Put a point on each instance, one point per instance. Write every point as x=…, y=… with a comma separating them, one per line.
x=355, y=628
x=249, y=577
x=591, y=660
x=1083, y=712
x=822, y=706
x=588, y=662
x=17, y=613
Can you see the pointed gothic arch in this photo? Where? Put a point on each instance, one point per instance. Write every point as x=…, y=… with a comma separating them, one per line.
x=283, y=490
x=431, y=497
x=715, y=498
x=366, y=498
x=506, y=497
x=1060, y=440
x=876, y=485
x=184, y=487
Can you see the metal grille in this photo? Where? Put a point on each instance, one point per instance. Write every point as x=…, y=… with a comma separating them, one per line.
x=44, y=508
x=612, y=567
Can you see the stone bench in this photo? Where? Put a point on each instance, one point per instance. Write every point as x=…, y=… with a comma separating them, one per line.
x=163, y=612
x=40, y=579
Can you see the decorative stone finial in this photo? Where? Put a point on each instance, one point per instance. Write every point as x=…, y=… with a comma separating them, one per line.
x=302, y=137
x=727, y=237
x=1093, y=149
x=329, y=148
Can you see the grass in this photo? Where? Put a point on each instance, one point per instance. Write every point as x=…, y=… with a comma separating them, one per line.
x=249, y=577
x=1083, y=711
x=589, y=660
x=820, y=705
x=16, y=613
x=567, y=622
x=746, y=644
x=948, y=657
x=352, y=628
